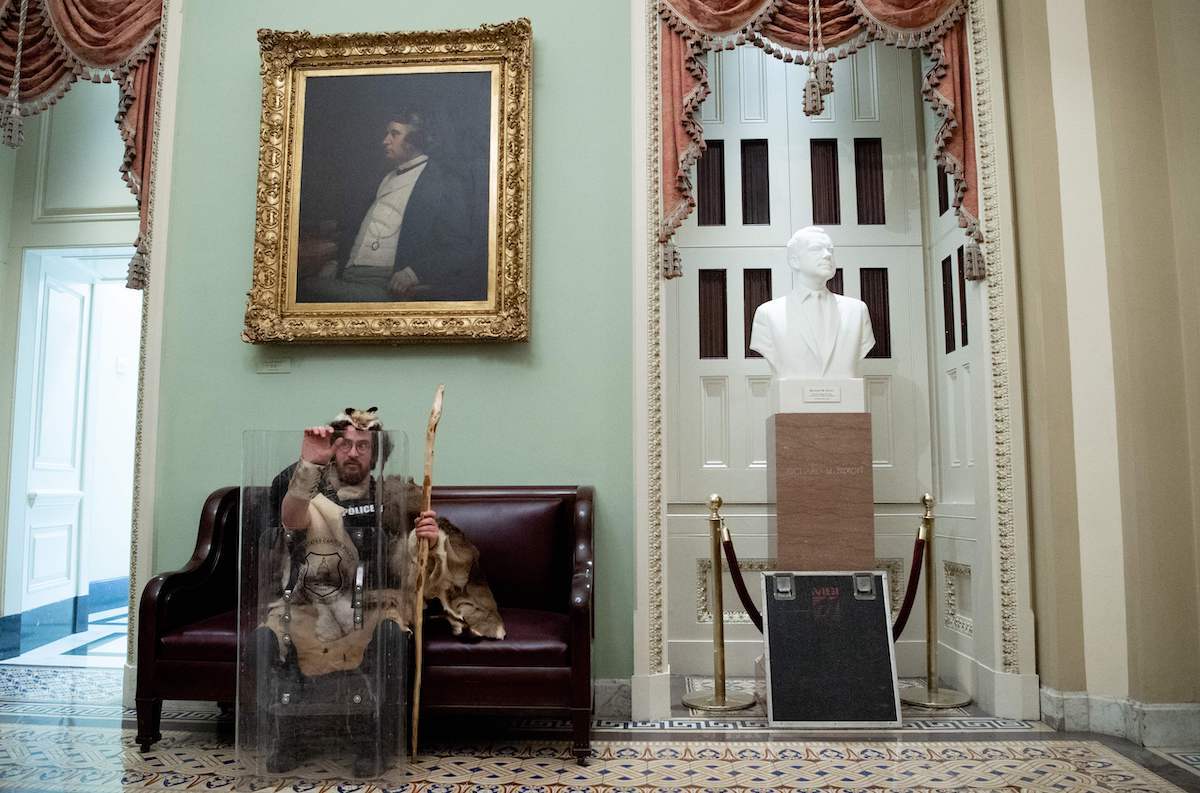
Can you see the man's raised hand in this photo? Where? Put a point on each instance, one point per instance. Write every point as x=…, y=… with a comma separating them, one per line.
x=317, y=447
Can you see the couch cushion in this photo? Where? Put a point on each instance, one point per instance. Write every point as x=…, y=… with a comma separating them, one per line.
x=534, y=638
x=213, y=639
x=524, y=546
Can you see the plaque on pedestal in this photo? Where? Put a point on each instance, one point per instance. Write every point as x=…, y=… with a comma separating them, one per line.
x=811, y=395
x=819, y=477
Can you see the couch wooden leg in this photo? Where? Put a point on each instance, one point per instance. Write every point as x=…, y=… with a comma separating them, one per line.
x=581, y=729
x=149, y=717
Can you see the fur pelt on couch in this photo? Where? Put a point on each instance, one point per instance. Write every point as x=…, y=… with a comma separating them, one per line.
x=320, y=618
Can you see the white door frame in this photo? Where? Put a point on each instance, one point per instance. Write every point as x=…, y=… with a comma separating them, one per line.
x=14, y=554
x=141, y=560
x=1008, y=683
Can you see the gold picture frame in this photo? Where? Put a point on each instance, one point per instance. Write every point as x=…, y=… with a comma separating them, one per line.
x=430, y=132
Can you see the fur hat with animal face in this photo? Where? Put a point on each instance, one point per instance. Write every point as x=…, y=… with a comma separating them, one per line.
x=366, y=420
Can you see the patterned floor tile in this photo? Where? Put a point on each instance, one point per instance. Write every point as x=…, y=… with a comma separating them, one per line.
x=96, y=760
x=47, y=684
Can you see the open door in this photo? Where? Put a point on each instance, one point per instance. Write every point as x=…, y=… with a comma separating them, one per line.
x=54, y=472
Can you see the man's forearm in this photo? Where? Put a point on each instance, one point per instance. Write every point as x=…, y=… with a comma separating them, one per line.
x=303, y=487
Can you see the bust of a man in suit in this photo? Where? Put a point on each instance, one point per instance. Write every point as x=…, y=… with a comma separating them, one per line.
x=812, y=333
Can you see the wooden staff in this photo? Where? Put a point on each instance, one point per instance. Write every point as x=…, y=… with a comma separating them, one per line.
x=435, y=415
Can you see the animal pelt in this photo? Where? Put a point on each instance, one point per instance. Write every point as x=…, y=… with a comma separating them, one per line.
x=359, y=419
x=321, y=624
x=453, y=575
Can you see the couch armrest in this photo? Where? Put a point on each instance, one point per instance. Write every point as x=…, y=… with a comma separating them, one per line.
x=182, y=596
x=584, y=557
x=583, y=591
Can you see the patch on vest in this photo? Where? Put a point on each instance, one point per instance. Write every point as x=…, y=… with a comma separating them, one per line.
x=365, y=509
x=323, y=574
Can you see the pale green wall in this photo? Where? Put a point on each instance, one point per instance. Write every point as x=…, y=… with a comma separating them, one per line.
x=555, y=410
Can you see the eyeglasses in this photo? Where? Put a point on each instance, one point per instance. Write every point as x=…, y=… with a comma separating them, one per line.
x=362, y=447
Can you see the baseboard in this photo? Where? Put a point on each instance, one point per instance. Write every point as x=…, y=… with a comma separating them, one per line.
x=651, y=697
x=613, y=698
x=1146, y=724
x=129, y=685
x=1004, y=694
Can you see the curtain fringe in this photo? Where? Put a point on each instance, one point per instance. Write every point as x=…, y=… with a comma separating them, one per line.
x=873, y=29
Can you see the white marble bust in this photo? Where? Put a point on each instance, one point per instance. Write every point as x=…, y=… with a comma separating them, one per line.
x=812, y=333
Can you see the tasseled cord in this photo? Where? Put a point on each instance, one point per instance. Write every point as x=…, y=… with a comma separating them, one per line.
x=974, y=267
x=820, y=72
x=11, y=123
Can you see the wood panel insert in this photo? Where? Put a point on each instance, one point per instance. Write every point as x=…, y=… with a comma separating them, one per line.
x=714, y=336
x=710, y=185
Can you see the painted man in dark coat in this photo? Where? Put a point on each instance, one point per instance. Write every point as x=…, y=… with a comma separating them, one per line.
x=417, y=239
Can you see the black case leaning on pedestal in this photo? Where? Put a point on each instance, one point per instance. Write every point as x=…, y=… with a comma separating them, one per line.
x=830, y=660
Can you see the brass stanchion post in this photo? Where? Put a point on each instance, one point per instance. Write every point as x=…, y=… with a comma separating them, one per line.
x=718, y=699
x=931, y=695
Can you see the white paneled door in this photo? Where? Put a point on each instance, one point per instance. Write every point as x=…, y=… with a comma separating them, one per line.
x=770, y=170
x=45, y=507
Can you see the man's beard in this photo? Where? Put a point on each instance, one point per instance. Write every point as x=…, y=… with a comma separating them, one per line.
x=351, y=473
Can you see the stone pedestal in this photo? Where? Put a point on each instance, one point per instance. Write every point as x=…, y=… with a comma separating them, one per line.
x=819, y=477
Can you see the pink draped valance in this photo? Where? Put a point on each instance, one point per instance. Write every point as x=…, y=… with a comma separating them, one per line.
x=691, y=28
x=98, y=40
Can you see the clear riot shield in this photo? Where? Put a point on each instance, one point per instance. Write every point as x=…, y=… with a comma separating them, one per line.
x=322, y=656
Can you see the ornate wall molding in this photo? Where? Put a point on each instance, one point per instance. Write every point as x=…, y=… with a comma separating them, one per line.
x=145, y=333
x=1002, y=462
x=655, y=540
x=896, y=576
x=704, y=596
x=952, y=574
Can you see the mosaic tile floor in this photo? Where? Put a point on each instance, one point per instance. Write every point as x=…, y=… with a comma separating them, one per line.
x=49, y=684
x=98, y=760
x=64, y=730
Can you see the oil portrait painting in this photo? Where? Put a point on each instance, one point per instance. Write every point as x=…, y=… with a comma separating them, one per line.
x=385, y=169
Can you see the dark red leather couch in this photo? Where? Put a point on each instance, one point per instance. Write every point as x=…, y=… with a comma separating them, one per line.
x=535, y=545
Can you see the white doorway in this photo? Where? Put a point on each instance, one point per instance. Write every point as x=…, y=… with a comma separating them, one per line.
x=856, y=170
x=66, y=571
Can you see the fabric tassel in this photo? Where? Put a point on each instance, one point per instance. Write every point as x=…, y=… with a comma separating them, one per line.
x=823, y=74
x=974, y=267
x=672, y=262
x=12, y=126
x=814, y=101
x=135, y=276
